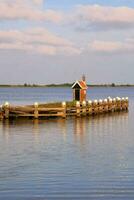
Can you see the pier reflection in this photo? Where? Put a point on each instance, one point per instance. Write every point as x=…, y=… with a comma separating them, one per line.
x=85, y=129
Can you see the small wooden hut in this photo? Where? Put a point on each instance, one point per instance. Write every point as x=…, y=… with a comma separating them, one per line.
x=80, y=90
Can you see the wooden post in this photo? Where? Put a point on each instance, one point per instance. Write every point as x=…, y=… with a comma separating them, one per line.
x=113, y=105
x=36, y=112
x=90, y=108
x=109, y=104
x=126, y=103
x=64, y=109
x=6, y=110
x=78, y=109
x=123, y=103
x=118, y=104
x=100, y=106
x=1, y=112
x=84, y=108
x=105, y=103
x=95, y=106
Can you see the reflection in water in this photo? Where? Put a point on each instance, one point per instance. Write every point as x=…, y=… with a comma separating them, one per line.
x=5, y=127
x=97, y=125
x=36, y=131
x=76, y=158
x=79, y=129
x=62, y=126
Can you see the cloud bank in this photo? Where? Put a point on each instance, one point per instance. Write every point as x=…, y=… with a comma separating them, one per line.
x=84, y=17
x=111, y=46
x=27, y=10
x=92, y=17
x=38, y=40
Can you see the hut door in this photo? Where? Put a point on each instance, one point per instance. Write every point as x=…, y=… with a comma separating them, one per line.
x=77, y=95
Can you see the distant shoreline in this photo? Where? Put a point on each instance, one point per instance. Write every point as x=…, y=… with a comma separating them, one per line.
x=66, y=85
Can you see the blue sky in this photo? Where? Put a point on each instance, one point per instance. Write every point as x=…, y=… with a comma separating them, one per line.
x=67, y=4
x=56, y=41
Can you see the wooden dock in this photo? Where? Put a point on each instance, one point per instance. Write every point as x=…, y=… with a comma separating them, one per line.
x=65, y=109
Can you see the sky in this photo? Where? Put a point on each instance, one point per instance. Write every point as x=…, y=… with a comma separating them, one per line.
x=57, y=41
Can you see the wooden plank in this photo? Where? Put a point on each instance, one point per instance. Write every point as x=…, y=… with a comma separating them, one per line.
x=28, y=109
x=50, y=109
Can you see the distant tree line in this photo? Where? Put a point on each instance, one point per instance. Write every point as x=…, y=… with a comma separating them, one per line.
x=66, y=85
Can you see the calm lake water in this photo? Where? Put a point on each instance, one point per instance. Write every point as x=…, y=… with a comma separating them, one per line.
x=73, y=159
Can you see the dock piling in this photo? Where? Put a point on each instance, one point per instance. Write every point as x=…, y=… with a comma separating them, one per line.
x=90, y=109
x=6, y=110
x=36, y=112
x=84, y=108
x=64, y=109
x=78, y=109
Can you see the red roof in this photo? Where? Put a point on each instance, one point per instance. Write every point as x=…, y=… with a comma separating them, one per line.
x=82, y=84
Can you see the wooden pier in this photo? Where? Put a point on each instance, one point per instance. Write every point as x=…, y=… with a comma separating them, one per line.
x=65, y=109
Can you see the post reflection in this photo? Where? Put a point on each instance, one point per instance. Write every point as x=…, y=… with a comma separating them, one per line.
x=11, y=128
x=5, y=129
x=36, y=130
x=93, y=129
x=62, y=126
x=79, y=129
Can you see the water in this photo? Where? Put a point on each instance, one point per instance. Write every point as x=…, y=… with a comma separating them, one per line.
x=77, y=159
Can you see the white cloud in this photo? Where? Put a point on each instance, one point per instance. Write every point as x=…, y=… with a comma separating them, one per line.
x=37, y=40
x=38, y=2
x=27, y=10
x=103, y=17
x=105, y=46
x=111, y=46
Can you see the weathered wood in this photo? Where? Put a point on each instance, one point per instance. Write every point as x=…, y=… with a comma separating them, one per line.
x=100, y=106
x=36, y=112
x=90, y=108
x=64, y=109
x=78, y=109
x=6, y=110
x=84, y=110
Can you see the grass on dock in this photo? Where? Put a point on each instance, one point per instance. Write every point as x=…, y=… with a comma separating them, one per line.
x=57, y=104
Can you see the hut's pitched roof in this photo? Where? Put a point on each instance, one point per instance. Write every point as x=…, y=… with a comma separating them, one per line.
x=82, y=84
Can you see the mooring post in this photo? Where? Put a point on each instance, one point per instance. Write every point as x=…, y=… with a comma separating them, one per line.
x=113, y=105
x=95, y=106
x=64, y=109
x=36, y=112
x=105, y=105
x=123, y=103
x=110, y=104
x=1, y=112
x=84, y=111
x=78, y=109
x=6, y=110
x=127, y=103
x=90, y=107
x=100, y=106
x=118, y=103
